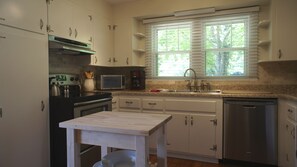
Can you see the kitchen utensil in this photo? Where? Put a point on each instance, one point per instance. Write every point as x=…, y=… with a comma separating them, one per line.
x=55, y=90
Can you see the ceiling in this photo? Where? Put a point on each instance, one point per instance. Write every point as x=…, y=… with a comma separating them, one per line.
x=118, y=1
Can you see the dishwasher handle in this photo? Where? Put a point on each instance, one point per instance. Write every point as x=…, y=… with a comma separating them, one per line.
x=249, y=107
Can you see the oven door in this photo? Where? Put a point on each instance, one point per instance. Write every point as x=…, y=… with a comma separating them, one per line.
x=91, y=154
x=91, y=107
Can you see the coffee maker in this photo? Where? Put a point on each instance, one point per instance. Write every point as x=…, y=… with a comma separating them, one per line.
x=137, y=79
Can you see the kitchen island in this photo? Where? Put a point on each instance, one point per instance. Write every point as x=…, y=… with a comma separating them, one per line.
x=117, y=130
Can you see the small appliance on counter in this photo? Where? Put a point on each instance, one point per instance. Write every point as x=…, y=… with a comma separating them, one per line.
x=137, y=79
x=112, y=82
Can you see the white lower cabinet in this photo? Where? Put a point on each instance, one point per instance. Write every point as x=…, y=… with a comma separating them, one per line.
x=114, y=103
x=287, y=142
x=202, y=134
x=177, y=133
x=195, y=129
x=24, y=123
x=192, y=133
x=196, y=126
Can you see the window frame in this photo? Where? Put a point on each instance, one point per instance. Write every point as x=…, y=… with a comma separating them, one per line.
x=198, y=62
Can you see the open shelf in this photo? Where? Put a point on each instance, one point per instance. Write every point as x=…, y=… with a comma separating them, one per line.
x=139, y=35
x=264, y=23
x=264, y=43
x=139, y=50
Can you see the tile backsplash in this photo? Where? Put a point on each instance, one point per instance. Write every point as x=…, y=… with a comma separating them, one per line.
x=276, y=76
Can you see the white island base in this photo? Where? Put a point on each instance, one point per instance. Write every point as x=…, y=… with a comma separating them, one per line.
x=122, y=130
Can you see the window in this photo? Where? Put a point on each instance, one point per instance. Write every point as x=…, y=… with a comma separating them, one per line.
x=225, y=47
x=215, y=47
x=172, y=47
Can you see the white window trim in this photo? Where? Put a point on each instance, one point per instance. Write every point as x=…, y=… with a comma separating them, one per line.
x=251, y=66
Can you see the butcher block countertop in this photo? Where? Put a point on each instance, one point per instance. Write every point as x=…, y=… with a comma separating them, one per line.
x=142, y=124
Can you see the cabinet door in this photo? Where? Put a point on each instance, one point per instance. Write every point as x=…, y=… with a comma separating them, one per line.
x=115, y=102
x=23, y=94
x=103, y=41
x=284, y=31
x=82, y=24
x=290, y=144
x=202, y=135
x=177, y=132
x=60, y=18
x=29, y=15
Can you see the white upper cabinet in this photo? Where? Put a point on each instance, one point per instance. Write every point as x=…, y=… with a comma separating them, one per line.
x=69, y=20
x=22, y=14
x=284, y=26
x=103, y=33
x=24, y=137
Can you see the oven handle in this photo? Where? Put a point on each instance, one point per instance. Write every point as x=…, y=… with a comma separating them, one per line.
x=93, y=101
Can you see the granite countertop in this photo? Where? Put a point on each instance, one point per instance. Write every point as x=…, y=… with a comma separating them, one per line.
x=248, y=94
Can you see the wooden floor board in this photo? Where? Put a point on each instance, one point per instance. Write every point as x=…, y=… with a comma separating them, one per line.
x=176, y=162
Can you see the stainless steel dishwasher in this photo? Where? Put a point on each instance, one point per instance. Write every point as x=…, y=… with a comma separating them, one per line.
x=250, y=130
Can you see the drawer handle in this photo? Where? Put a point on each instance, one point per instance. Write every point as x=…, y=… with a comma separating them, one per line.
x=114, y=102
x=129, y=102
x=2, y=37
x=186, y=120
x=152, y=104
x=2, y=19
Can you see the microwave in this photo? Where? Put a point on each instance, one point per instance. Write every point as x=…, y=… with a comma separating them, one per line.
x=112, y=82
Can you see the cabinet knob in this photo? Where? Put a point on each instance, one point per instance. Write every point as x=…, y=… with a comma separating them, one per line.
x=48, y=28
x=129, y=102
x=70, y=31
x=41, y=24
x=280, y=53
x=42, y=106
x=96, y=60
x=2, y=37
x=75, y=33
x=186, y=120
x=114, y=60
x=91, y=39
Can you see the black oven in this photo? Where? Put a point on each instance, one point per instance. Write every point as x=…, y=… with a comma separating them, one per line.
x=65, y=108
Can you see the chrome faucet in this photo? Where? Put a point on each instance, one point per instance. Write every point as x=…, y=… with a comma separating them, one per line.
x=195, y=80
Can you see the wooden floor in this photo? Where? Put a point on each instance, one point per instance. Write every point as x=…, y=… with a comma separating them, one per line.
x=175, y=162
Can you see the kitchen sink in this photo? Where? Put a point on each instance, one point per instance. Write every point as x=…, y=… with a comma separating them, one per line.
x=195, y=92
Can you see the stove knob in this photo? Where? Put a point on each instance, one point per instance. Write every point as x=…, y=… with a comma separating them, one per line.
x=76, y=78
x=71, y=79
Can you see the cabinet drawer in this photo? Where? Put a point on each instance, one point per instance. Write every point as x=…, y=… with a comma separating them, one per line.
x=190, y=105
x=292, y=111
x=152, y=104
x=129, y=103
